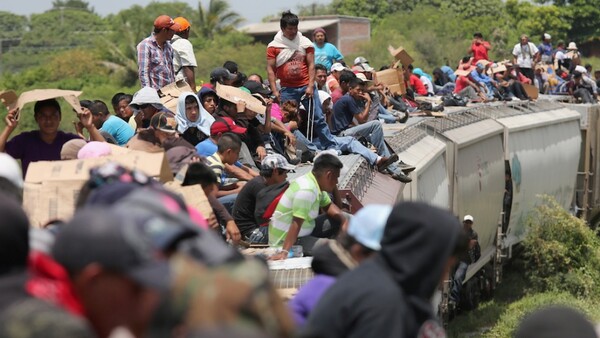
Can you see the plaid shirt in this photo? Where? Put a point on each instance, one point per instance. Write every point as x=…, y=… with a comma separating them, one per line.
x=155, y=65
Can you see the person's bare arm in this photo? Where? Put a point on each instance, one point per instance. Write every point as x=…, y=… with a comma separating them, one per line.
x=11, y=125
x=336, y=213
x=290, y=238
x=85, y=117
x=232, y=232
x=363, y=116
x=279, y=127
x=190, y=77
x=238, y=172
x=271, y=70
x=310, y=62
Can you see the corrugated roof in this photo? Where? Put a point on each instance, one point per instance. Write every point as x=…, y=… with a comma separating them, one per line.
x=273, y=27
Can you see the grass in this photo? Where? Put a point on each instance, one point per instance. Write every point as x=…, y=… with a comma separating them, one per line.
x=499, y=317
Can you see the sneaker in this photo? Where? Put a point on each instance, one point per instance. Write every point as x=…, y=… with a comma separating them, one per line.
x=406, y=168
x=402, y=178
x=385, y=162
x=404, y=118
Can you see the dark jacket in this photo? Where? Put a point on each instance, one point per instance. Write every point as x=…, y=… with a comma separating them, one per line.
x=389, y=295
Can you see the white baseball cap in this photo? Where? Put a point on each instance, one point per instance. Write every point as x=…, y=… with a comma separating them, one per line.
x=337, y=67
x=367, y=225
x=468, y=218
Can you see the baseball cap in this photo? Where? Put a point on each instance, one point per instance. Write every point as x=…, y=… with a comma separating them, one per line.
x=221, y=73
x=547, y=36
x=276, y=161
x=367, y=225
x=165, y=21
x=114, y=241
x=468, y=218
x=182, y=22
x=337, y=67
x=11, y=170
x=363, y=77
x=225, y=125
x=146, y=95
x=255, y=87
x=164, y=122
x=360, y=60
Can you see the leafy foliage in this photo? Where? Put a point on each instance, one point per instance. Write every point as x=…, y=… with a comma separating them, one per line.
x=561, y=252
x=215, y=19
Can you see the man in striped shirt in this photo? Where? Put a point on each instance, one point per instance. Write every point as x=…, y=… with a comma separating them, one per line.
x=296, y=219
x=155, y=54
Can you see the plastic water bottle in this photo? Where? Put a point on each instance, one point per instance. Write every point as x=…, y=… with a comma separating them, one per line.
x=256, y=237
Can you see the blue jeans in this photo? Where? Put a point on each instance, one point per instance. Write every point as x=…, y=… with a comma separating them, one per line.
x=321, y=128
x=459, y=277
x=301, y=139
x=228, y=201
x=352, y=145
x=385, y=115
x=373, y=132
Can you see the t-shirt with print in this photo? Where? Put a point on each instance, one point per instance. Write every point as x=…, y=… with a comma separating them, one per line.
x=343, y=113
x=302, y=199
x=294, y=72
x=327, y=54
x=29, y=147
x=524, y=54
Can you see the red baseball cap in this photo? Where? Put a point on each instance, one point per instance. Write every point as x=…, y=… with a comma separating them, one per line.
x=165, y=21
x=225, y=125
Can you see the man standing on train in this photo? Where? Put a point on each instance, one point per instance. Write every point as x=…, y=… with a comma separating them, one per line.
x=471, y=257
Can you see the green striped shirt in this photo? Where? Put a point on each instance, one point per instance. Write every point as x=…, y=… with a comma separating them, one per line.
x=302, y=199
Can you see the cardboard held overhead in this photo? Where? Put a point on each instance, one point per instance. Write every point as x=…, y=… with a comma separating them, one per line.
x=401, y=54
x=8, y=98
x=233, y=94
x=393, y=79
x=52, y=187
x=169, y=94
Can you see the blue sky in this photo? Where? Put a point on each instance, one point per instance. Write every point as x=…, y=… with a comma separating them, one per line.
x=251, y=10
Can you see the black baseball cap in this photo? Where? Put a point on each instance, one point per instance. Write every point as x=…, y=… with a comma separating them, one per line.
x=257, y=88
x=114, y=241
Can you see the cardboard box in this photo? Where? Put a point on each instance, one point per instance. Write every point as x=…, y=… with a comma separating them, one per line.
x=169, y=94
x=393, y=79
x=233, y=94
x=10, y=100
x=401, y=54
x=531, y=91
x=52, y=187
x=193, y=195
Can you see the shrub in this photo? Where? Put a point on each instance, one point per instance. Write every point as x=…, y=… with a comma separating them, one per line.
x=561, y=252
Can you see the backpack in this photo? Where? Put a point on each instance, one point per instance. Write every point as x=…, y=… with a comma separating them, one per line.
x=266, y=202
x=454, y=100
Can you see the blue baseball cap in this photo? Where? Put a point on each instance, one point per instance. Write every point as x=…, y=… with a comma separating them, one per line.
x=366, y=226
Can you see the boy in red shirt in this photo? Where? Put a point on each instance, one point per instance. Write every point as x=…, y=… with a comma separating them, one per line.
x=479, y=48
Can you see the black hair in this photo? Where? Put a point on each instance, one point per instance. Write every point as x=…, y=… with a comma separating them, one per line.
x=231, y=66
x=347, y=241
x=410, y=67
x=356, y=82
x=240, y=80
x=191, y=99
x=466, y=59
x=260, y=77
x=10, y=190
x=319, y=66
x=576, y=75
x=288, y=19
x=127, y=97
x=223, y=103
x=199, y=173
x=116, y=99
x=326, y=162
x=478, y=35
x=347, y=76
x=587, y=65
x=52, y=103
x=229, y=141
x=99, y=108
x=86, y=103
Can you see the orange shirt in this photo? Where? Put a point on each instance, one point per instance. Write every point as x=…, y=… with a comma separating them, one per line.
x=293, y=73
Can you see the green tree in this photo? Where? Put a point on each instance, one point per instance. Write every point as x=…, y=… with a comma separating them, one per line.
x=583, y=16
x=315, y=9
x=216, y=19
x=72, y=4
x=12, y=26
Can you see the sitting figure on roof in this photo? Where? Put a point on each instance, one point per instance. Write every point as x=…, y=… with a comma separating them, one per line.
x=479, y=76
x=580, y=88
x=273, y=174
x=355, y=105
x=297, y=219
x=45, y=143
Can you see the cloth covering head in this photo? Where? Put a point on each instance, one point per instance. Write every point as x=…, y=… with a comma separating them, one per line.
x=202, y=123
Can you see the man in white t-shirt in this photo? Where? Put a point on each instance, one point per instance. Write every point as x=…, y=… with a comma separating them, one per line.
x=184, y=60
x=526, y=55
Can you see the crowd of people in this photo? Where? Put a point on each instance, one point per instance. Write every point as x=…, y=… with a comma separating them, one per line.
x=135, y=259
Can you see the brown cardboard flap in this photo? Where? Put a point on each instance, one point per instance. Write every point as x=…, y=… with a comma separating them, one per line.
x=193, y=195
x=169, y=94
x=401, y=54
x=9, y=99
x=531, y=91
x=50, y=201
x=71, y=96
x=393, y=79
x=233, y=94
x=152, y=164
